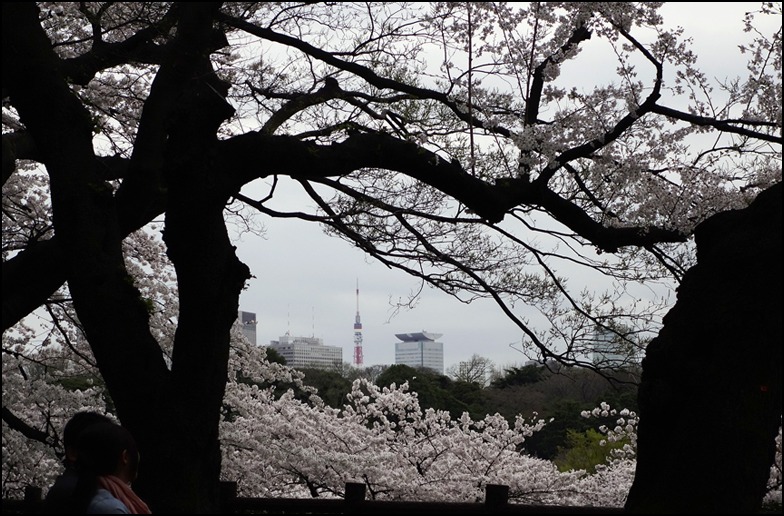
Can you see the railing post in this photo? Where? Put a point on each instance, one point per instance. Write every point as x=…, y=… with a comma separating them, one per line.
x=496, y=494
x=227, y=493
x=32, y=500
x=355, y=492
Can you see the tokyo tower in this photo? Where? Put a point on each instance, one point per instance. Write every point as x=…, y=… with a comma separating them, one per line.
x=357, y=334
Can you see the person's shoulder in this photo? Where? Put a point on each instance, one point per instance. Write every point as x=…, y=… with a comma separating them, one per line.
x=63, y=484
x=59, y=497
x=104, y=503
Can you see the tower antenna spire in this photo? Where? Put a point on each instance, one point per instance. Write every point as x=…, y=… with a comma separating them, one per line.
x=357, y=334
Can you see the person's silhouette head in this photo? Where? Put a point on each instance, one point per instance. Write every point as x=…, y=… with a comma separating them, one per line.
x=75, y=426
x=108, y=449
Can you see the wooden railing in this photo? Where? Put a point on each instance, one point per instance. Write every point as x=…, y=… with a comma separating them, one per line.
x=496, y=502
x=32, y=503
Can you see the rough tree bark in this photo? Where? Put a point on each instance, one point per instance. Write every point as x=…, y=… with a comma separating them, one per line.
x=710, y=396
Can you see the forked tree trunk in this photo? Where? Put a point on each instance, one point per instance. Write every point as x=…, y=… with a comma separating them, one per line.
x=173, y=414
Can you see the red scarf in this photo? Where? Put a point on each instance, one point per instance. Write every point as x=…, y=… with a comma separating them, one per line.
x=123, y=492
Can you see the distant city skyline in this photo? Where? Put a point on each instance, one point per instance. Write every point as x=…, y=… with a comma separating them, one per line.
x=304, y=281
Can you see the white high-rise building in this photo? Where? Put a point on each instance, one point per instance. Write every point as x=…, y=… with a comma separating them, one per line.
x=420, y=349
x=308, y=352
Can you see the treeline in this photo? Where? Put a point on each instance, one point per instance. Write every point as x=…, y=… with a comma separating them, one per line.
x=532, y=391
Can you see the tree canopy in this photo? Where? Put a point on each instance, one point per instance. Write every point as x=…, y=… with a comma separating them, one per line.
x=436, y=137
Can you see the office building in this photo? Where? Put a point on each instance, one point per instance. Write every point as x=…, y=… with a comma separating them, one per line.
x=247, y=322
x=420, y=349
x=310, y=352
x=610, y=350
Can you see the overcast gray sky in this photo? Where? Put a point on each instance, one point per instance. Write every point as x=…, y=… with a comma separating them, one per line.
x=305, y=281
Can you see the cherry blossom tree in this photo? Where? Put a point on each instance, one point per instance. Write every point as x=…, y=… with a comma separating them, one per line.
x=383, y=439
x=444, y=139
x=275, y=445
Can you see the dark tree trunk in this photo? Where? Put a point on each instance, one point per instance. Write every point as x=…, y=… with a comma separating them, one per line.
x=173, y=413
x=710, y=396
x=210, y=279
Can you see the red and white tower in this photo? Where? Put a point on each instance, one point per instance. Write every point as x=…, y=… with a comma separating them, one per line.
x=357, y=334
